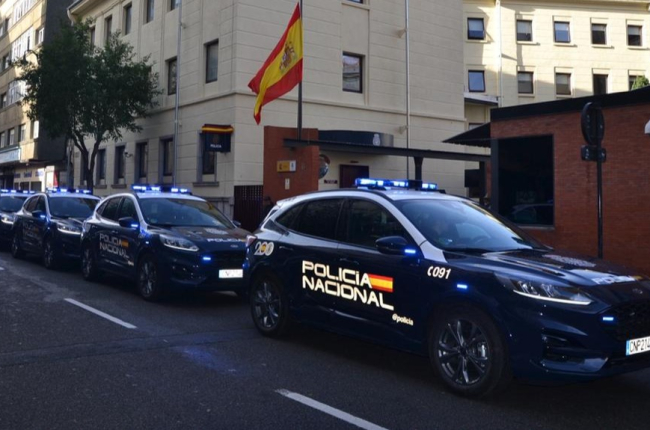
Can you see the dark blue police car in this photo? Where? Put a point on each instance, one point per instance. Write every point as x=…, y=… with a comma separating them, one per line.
x=438, y=275
x=10, y=202
x=165, y=239
x=49, y=225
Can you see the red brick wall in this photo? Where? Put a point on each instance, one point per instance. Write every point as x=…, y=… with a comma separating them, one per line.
x=305, y=178
x=626, y=183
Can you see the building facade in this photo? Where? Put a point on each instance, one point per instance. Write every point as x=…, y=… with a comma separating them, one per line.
x=354, y=79
x=29, y=158
x=524, y=51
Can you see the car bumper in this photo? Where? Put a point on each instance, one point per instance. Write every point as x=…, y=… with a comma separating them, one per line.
x=6, y=232
x=68, y=246
x=191, y=272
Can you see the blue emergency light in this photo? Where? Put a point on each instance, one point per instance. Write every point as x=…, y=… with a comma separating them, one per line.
x=58, y=190
x=12, y=191
x=159, y=189
x=388, y=184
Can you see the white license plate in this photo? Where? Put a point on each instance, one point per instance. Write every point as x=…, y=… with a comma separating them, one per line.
x=231, y=273
x=637, y=346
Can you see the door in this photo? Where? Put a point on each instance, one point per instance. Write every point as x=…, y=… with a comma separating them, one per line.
x=349, y=173
x=34, y=227
x=382, y=298
x=127, y=237
x=108, y=245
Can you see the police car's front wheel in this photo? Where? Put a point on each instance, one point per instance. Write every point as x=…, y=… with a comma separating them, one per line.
x=149, y=285
x=16, y=250
x=468, y=352
x=89, y=269
x=269, y=306
x=50, y=257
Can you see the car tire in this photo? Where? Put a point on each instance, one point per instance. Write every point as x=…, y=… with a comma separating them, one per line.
x=89, y=269
x=468, y=353
x=16, y=250
x=149, y=284
x=269, y=306
x=50, y=256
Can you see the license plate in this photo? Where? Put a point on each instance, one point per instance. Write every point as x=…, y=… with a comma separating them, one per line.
x=637, y=346
x=231, y=273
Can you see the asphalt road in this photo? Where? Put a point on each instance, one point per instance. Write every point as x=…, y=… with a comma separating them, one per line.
x=197, y=362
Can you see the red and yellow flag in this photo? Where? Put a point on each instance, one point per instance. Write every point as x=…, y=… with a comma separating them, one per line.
x=283, y=69
x=381, y=283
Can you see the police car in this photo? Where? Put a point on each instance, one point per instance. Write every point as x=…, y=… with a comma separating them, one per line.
x=165, y=239
x=49, y=225
x=439, y=275
x=10, y=202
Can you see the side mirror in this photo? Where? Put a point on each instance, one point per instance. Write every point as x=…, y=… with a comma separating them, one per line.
x=129, y=222
x=237, y=223
x=395, y=245
x=38, y=214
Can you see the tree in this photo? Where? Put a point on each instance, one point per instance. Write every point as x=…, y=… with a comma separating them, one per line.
x=85, y=93
x=640, y=82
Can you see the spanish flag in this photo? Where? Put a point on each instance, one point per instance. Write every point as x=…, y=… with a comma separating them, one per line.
x=283, y=69
x=381, y=283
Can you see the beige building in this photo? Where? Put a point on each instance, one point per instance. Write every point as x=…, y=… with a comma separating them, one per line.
x=28, y=158
x=354, y=80
x=521, y=51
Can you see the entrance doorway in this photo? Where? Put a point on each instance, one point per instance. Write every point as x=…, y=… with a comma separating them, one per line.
x=348, y=173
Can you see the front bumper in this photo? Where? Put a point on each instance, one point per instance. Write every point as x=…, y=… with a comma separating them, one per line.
x=6, y=232
x=68, y=245
x=564, y=342
x=201, y=271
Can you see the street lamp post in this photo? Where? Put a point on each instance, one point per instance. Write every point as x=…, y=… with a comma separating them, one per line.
x=178, y=89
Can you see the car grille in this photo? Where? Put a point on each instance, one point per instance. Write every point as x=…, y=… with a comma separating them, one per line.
x=228, y=258
x=632, y=320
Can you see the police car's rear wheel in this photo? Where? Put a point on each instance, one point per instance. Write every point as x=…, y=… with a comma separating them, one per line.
x=50, y=257
x=269, y=306
x=16, y=250
x=468, y=352
x=149, y=285
x=89, y=268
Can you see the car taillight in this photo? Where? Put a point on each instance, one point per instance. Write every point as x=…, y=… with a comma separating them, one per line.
x=250, y=239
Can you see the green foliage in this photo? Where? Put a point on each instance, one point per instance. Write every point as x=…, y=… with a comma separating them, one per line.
x=87, y=93
x=640, y=82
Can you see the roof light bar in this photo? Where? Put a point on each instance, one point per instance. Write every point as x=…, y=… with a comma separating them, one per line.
x=159, y=189
x=58, y=190
x=395, y=183
x=12, y=191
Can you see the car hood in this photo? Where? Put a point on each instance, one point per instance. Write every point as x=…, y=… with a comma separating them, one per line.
x=77, y=222
x=211, y=238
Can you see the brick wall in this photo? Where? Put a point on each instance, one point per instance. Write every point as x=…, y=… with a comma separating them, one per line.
x=626, y=183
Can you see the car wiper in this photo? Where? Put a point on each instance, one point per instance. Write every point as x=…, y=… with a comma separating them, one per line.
x=471, y=250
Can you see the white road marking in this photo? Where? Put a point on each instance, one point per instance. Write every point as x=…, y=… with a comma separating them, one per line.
x=100, y=313
x=330, y=410
x=1, y=269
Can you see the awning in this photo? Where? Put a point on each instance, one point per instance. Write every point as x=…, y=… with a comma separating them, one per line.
x=479, y=136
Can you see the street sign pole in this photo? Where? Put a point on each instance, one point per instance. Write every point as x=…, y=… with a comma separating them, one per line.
x=599, y=169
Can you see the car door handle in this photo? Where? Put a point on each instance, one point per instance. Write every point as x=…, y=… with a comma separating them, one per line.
x=348, y=261
x=286, y=248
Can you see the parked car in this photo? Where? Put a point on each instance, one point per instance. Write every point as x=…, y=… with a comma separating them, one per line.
x=49, y=225
x=10, y=202
x=439, y=275
x=166, y=240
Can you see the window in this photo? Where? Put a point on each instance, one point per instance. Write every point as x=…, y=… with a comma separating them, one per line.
x=148, y=13
x=119, y=163
x=22, y=132
x=21, y=45
x=92, y=35
x=600, y=84
x=171, y=76
x=352, y=73
x=11, y=138
x=173, y=4
x=211, y=61
x=476, y=81
x=128, y=9
x=6, y=62
x=208, y=160
x=525, y=82
x=101, y=165
x=475, y=29
x=3, y=100
x=562, y=34
x=128, y=210
x=108, y=209
x=367, y=222
x=141, y=160
x=168, y=156
x=598, y=34
x=319, y=218
x=634, y=35
x=2, y=140
x=35, y=129
x=108, y=27
x=40, y=35
x=563, y=84
x=524, y=30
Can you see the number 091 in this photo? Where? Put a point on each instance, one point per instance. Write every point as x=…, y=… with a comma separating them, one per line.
x=438, y=272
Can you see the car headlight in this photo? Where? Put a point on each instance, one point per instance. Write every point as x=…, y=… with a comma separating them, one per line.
x=546, y=290
x=178, y=243
x=68, y=229
x=7, y=219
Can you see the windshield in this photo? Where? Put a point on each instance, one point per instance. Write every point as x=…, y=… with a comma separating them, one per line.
x=11, y=203
x=463, y=226
x=72, y=207
x=170, y=212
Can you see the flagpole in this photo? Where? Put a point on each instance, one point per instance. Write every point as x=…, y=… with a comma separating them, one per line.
x=300, y=86
x=408, y=85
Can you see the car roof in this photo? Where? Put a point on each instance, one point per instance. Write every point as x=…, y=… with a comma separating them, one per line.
x=165, y=195
x=68, y=195
x=390, y=194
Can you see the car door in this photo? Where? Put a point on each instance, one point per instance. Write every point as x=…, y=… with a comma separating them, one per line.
x=34, y=226
x=24, y=215
x=381, y=299
x=307, y=251
x=127, y=237
x=108, y=250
